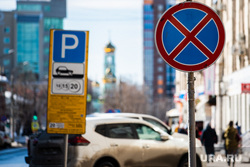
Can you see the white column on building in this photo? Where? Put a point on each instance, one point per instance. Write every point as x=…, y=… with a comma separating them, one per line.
x=247, y=112
x=243, y=108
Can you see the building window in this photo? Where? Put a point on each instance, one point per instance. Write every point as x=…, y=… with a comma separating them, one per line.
x=160, y=69
x=160, y=82
x=29, y=7
x=148, y=34
x=56, y=23
x=148, y=8
x=6, y=40
x=159, y=60
x=149, y=43
x=159, y=15
x=7, y=30
x=6, y=62
x=160, y=7
x=46, y=39
x=160, y=91
x=47, y=8
x=148, y=26
x=160, y=77
x=46, y=51
x=6, y=50
x=28, y=43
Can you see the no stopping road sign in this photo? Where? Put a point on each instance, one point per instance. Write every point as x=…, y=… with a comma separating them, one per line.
x=190, y=36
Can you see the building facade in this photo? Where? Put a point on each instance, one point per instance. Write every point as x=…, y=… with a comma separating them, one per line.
x=29, y=26
x=7, y=41
x=233, y=99
x=225, y=84
x=159, y=77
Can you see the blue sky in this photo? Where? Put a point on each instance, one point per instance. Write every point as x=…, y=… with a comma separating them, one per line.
x=118, y=21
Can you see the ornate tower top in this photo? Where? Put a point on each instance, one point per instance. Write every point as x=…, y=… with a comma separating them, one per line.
x=109, y=66
x=109, y=48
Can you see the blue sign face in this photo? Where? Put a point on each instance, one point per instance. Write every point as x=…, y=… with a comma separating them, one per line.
x=69, y=46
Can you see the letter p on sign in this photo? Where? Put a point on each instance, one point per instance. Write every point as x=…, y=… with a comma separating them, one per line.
x=69, y=46
x=64, y=46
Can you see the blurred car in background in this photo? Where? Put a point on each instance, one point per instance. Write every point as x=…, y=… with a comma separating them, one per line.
x=119, y=142
x=5, y=140
x=45, y=149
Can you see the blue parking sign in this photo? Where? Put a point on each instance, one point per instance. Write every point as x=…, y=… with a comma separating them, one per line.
x=69, y=46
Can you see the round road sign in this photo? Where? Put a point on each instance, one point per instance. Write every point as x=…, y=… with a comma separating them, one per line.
x=190, y=36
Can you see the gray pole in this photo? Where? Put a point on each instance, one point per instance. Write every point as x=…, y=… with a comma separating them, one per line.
x=65, y=149
x=12, y=123
x=191, y=121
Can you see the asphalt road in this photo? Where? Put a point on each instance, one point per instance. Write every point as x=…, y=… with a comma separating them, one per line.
x=221, y=161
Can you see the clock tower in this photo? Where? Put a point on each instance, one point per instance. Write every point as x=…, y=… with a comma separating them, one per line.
x=109, y=79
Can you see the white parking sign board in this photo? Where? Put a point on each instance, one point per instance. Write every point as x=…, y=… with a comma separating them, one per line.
x=67, y=84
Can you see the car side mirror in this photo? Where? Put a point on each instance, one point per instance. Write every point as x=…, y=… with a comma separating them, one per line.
x=164, y=137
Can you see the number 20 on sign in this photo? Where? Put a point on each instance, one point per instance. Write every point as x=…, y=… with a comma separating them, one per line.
x=67, y=83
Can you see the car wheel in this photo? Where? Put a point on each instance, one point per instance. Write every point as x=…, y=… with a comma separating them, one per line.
x=184, y=162
x=58, y=73
x=105, y=164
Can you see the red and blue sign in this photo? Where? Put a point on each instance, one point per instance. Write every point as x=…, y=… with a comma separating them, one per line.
x=190, y=36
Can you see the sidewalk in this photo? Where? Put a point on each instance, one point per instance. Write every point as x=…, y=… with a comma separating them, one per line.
x=220, y=160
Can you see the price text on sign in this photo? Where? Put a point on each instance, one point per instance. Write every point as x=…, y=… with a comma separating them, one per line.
x=67, y=84
x=190, y=36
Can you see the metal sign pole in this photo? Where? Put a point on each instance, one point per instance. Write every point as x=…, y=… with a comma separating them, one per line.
x=65, y=149
x=191, y=121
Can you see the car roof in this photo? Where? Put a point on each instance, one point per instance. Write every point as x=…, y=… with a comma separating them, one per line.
x=94, y=121
x=123, y=114
x=135, y=115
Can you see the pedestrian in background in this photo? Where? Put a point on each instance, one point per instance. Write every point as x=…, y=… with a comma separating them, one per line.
x=182, y=129
x=238, y=128
x=208, y=139
x=231, y=143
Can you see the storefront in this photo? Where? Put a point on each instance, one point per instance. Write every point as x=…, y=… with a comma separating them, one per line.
x=236, y=100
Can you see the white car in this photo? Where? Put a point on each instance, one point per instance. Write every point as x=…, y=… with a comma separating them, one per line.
x=149, y=118
x=119, y=142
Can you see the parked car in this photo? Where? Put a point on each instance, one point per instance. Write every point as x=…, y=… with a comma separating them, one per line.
x=45, y=149
x=112, y=142
x=149, y=118
x=119, y=142
x=5, y=140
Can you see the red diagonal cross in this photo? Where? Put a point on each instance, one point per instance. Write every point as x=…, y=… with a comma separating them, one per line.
x=190, y=36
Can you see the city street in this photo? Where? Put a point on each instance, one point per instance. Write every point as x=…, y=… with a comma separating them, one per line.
x=14, y=157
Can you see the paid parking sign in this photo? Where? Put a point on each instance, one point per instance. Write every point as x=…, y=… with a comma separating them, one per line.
x=190, y=36
x=67, y=84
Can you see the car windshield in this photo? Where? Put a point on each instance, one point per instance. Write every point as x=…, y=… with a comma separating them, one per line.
x=158, y=124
